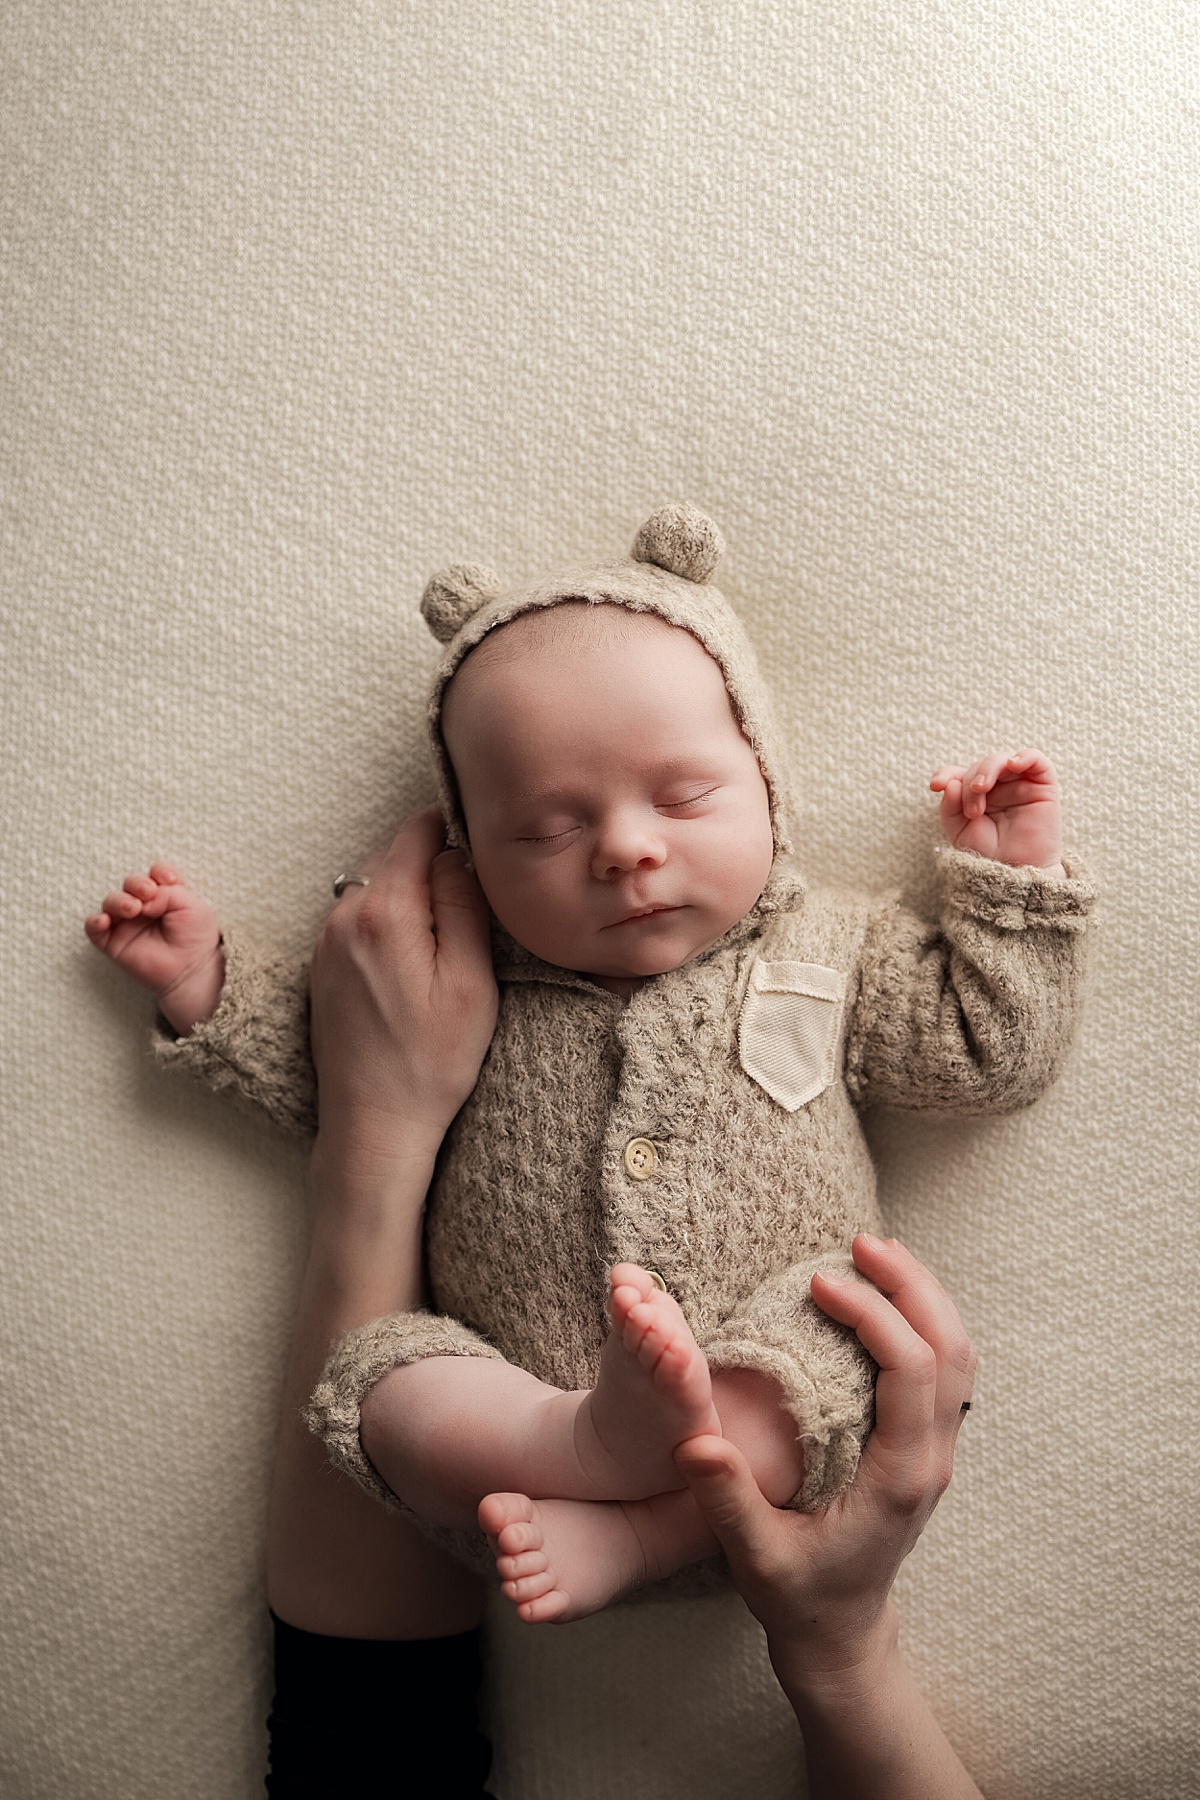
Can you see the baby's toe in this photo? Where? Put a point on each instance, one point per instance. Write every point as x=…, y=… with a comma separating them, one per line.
x=629, y=1275
x=547, y=1609
x=631, y=1288
x=653, y=1324
x=527, y=1562
x=529, y=1587
x=501, y=1512
x=520, y=1538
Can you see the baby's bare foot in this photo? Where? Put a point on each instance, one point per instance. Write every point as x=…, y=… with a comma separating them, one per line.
x=563, y=1559
x=652, y=1392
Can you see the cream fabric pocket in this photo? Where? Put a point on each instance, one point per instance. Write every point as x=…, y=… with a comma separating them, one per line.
x=788, y=1032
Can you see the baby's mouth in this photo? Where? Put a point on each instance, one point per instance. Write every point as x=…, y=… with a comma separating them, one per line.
x=642, y=912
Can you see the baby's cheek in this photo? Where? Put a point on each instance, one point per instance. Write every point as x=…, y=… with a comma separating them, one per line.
x=538, y=916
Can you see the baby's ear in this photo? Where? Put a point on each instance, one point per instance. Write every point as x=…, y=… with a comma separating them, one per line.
x=682, y=540
x=454, y=595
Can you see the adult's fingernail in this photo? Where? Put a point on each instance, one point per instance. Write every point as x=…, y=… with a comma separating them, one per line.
x=869, y=1238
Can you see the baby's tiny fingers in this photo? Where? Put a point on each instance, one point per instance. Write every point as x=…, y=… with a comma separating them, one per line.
x=952, y=797
x=142, y=887
x=1033, y=766
x=944, y=776
x=979, y=781
x=987, y=771
x=122, y=906
x=98, y=926
x=166, y=874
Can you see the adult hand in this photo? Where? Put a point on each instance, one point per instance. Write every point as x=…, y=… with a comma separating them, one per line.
x=403, y=994
x=820, y=1582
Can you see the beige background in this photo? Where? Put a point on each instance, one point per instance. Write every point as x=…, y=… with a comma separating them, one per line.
x=300, y=302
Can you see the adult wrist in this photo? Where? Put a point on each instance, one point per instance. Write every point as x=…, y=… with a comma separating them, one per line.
x=360, y=1143
x=825, y=1675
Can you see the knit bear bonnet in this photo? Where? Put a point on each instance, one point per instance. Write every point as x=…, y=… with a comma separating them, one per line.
x=668, y=573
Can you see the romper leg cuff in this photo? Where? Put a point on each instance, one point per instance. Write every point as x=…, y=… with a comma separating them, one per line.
x=826, y=1377
x=334, y=1410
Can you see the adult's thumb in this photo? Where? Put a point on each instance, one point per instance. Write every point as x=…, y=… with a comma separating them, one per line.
x=726, y=1493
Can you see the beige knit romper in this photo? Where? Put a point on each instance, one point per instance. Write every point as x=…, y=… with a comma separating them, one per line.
x=709, y=1129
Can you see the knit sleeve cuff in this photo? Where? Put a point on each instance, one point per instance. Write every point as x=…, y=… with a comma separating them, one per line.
x=255, y=1046
x=1017, y=899
x=363, y=1357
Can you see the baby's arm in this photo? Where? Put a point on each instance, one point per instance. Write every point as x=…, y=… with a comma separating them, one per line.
x=237, y=1018
x=975, y=1012
x=167, y=938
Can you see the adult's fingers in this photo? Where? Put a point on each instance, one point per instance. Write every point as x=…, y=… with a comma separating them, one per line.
x=394, y=894
x=921, y=1299
x=907, y=1383
x=460, y=912
x=415, y=845
x=404, y=865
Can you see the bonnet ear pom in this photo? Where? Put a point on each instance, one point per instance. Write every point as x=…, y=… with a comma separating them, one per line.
x=454, y=595
x=682, y=540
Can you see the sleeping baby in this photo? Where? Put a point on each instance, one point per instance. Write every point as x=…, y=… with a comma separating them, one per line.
x=664, y=1145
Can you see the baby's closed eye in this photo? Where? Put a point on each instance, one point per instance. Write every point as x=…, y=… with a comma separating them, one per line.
x=685, y=802
x=554, y=831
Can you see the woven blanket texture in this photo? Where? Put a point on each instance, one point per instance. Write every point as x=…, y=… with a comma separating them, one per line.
x=300, y=304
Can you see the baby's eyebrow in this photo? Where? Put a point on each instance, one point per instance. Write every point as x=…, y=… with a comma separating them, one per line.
x=684, y=768
x=537, y=795
x=674, y=768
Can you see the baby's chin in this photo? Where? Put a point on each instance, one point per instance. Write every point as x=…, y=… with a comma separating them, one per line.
x=644, y=949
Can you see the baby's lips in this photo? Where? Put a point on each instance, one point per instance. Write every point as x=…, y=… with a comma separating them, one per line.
x=648, y=912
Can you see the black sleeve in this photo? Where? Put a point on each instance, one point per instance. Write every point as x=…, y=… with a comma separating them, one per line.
x=374, y=1717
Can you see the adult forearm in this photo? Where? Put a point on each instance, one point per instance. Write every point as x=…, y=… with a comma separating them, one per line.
x=368, y=1187
x=336, y=1561
x=869, y=1733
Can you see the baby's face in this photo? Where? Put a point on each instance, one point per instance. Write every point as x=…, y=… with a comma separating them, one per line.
x=618, y=819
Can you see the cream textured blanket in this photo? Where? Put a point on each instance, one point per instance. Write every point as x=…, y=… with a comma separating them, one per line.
x=302, y=303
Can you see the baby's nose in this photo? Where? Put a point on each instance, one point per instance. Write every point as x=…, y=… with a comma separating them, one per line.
x=626, y=844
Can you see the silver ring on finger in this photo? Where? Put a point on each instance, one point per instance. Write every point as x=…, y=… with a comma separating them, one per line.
x=344, y=880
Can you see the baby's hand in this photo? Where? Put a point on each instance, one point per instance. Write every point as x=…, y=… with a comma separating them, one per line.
x=167, y=938
x=1005, y=807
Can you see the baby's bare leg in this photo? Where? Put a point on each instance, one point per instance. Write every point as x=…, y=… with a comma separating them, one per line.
x=752, y=1416
x=562, y=1559
x=577, y=1491
x=448, y=1430
x=443, y=1431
